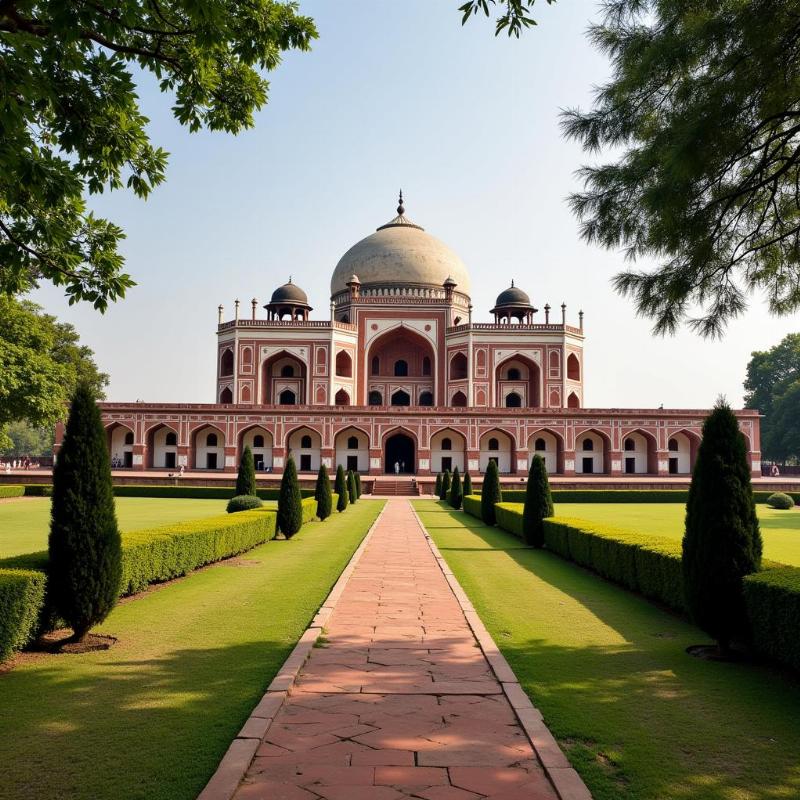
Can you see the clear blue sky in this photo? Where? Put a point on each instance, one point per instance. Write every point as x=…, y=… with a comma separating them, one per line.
x=392, y=95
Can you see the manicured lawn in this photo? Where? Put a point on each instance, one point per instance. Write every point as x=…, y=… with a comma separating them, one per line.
x=638, y=717
x=151, y=717
x=24, y=522
x=780, y=530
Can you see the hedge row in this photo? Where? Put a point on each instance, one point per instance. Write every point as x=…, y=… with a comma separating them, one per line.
x=11, y=490
x=21, y=601
x=187, y=492
x=651, y=566
x=623, y=495
x=772, y=598
x=148, y=556
x=472, y=505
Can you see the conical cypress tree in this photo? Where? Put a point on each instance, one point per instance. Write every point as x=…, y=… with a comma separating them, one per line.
x=351, y=487
x=722, y=540
x=538, y=503
x=467, y=485
x=445, y=485
x=322, y=493
x=85, y=566
x=490, y=493
x=290, y=501
x=341, y=489
x=438, y=484
x=246, y=479
x=455, y=490
x=358, y=485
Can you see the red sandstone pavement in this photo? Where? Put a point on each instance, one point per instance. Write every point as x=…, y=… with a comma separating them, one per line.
x=400, y=700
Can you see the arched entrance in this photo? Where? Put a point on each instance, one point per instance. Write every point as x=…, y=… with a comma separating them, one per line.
x=399, y=449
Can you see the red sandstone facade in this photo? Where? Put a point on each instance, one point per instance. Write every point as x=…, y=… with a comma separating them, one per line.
x=400, y=377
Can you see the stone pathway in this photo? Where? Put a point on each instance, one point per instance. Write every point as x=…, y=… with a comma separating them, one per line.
x=399, y=701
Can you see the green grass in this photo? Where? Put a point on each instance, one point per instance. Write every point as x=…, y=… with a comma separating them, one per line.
x=780, y=530
x=25, y=522
x=151, y=717
x=637, y=716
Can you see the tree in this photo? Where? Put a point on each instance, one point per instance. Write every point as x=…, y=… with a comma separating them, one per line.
x=445, y=485
x=358, y=485
x=85, y=563
x=455, y=497
x=490, y=493
x=72, y=124
x=702, y=109
x=770, y=376
x=246, y=479
x=538, y=503
x=467, y=484
x=290, y=501
x=322, y=493
x=24, y=439
x=512, y=18
x=41, y=365
x=351, y=487
x=783, y=432
x=340, y=488
x=438, y=489
x=722, y=541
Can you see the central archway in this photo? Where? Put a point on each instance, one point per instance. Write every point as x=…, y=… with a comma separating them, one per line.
x=399, y=449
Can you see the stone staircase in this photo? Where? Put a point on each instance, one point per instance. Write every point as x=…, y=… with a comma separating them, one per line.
x=395, y=487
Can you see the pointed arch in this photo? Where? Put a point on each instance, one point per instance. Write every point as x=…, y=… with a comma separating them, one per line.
x=444, y=457
x=573, y=367
x=639, y=452
x=342, y=398
x=400, y=446
x=355, y=458
x=261, y=448
x=499, y=445
x=162, y=453
x=592, y=452
x=284, y=371
x=527, y=381
x=552, y=452
x=226, y=363
x=682, y=446
x=204, y=454
x=306, y=452
x=120, y=446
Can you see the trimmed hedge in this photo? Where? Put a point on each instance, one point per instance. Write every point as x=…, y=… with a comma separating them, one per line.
x=38, y=490
x=772, y=598
x=160, y=554
x=21, y=603
x=309, y=506
x=195, y=492
x=471, y=503
x=11, y=490
x=624, y=495
x=509, y=518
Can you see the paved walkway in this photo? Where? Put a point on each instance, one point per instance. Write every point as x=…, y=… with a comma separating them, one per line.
x=400, y=700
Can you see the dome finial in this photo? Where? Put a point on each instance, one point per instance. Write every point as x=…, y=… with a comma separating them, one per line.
x=512, y=283
x=401, y=208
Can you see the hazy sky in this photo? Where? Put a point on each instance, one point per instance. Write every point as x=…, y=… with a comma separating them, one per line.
x=392, y=95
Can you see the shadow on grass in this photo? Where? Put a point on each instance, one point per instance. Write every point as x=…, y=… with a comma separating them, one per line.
x=105, y=733
x=638, y=717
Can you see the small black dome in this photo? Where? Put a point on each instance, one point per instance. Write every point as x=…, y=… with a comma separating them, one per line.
x=289, y=293
x=513, y=296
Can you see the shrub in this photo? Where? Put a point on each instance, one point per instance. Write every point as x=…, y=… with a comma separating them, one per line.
x=21, y=603
x=341, y=489
x=85, y=565
x=243, y=502
x=246, y=479
x=38, y=490
x=438, y=490
x=722, y=542
x=322, y=493
x=455, y=490
x=490, y=493
x=10, y=490
x=308, y=507
x=358, y=485
x=538, y=503
x=445, y=485
x=467, y=484
x=772, y=598
x=352, y=494
x=780, y=500
x=472, y=505
x=290, y=509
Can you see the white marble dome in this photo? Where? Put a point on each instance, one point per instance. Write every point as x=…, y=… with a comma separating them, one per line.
x=400, y=253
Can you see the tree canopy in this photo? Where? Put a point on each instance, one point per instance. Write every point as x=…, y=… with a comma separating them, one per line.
x=71, y=123
x=702, y=113
x=513, y=15
x=772, y=386
x=41, y=364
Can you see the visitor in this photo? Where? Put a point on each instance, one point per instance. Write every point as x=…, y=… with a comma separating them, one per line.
x=396, y=467
x=180, y=472
x=402, y=466
x=775, y=472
